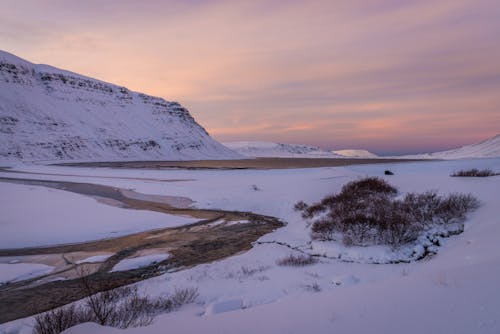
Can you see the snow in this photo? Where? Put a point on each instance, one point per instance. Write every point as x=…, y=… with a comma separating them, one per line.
x=489, y=148
x=356, y=153
x=140, y=261
x=9, y=58
x=13, y=272
x=95, y=259
x=224, y=306
x=278, y=150
x=455, y=291
x=440, y=302
x=36, y=216
x=48, y=114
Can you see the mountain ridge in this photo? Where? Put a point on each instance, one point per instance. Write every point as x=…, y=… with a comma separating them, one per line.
x=488, y=148
x=50, y=114
x=356, y=153
x=278, y=150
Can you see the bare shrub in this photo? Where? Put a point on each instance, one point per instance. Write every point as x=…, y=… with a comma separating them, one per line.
x=108, y=307
x=369, y=185
x=297, y=260
x=182, y=297
x=300, y=205
x=400, y=230
x=134, y=311
x=58, y=320
x=246, y=271
x=122, y=308
x=455, y=207
x=315, y=287
x=474, y=172
x=323, y=229
x=366, y=212
x=423, y=207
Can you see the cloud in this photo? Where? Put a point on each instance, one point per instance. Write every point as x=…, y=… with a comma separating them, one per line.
x=331, y=73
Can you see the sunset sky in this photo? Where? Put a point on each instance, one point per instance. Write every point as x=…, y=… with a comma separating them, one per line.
x=389, y=76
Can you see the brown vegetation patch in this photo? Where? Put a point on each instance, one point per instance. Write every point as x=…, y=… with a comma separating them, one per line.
x=257, y=163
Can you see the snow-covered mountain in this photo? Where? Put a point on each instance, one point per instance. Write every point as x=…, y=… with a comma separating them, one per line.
x=489, y=148
x=363, y=154
x=51, y=114
x=278, y=150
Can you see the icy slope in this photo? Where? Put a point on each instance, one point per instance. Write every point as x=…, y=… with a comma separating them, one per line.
x=489, y=148
x=278, y=150
x=357, y=154
x=50, y=114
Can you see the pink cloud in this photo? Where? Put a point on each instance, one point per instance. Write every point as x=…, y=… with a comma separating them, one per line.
x=403, y=75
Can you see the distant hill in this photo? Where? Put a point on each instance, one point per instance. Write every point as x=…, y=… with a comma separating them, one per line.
x=55, y=115
x=357, y=154
x=278, y=150
x=489, y=148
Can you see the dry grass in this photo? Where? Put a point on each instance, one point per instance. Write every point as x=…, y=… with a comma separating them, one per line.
x=254, y=163
x=297, y=260
x=474, y=172
x=315, y=287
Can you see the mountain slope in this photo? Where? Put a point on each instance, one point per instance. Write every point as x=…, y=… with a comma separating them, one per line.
x=51, y=114
x=278, y=150
x=489, y=148
x=357, y=154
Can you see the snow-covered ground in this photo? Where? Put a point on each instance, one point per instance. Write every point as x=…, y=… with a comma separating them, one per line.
x=455, y=291
x=13, y=272
x=278, y=150
x=37, y=216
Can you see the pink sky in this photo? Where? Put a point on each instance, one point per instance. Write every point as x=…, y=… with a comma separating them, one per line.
x=390, y=76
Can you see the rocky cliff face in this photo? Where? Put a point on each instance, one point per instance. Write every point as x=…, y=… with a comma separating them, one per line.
x=50, y=114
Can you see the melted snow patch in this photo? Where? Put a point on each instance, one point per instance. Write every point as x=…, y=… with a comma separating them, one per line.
x=22, y=271
x=95, y=259
x=226, y=223
x=36, y=216
x=139, y=262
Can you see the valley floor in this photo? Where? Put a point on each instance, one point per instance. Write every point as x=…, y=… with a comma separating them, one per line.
x=249, y=163
x=455, y=291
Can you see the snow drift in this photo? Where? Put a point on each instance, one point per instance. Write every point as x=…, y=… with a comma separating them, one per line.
x=51, y=114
